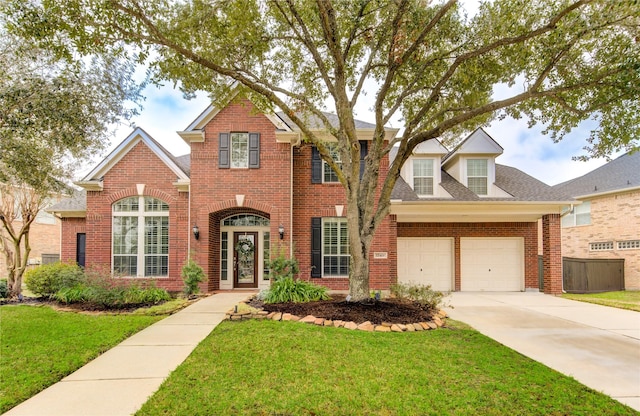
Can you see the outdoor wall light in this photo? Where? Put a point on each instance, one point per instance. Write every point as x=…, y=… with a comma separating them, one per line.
x=196, y=232
x=281, y=231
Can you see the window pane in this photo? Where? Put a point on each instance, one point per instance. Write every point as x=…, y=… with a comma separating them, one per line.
x=477, y=167
x=422, y=167
x=335, y=247
x=329, y=175
x=266, y=244
x=423, y=186
x=239, y=150
x=156, y=246
x=224, y=256
x=155, y=205
x=125, y=235
x=126, y=205
x=478, y=185
x=246, y=220
x=125, y=265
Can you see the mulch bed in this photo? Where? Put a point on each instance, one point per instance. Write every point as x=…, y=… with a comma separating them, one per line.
x=338, y=309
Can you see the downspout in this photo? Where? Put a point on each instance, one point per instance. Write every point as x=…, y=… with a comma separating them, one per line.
x=293, y=145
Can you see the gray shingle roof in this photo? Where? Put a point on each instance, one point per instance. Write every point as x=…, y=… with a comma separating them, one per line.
x=617, y=175
x=77, y=201
x=521, y=186
x=315, y=122
x=184, y=163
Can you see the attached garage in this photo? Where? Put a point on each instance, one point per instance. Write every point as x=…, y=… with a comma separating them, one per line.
x=492, y=264
x=427, y=261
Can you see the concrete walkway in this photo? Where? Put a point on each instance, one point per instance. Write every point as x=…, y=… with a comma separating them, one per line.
x=599, y=346
x=121, y=380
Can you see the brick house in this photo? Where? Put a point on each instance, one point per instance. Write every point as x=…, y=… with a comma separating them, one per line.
x=606, y=223
x=251, y=188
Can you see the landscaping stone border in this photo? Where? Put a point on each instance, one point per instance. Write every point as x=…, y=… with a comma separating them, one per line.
x=244, y=312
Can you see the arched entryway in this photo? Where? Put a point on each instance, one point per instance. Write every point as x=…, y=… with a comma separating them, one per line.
x=239, y=249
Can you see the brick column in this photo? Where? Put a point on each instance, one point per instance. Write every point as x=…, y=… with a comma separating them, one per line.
x=552, y=254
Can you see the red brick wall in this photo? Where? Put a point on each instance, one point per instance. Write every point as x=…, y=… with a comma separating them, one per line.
x=139, y=166
x=552, y=254
x=266, y=190
x=527, y=230
x=319, y=200
x=71, y=227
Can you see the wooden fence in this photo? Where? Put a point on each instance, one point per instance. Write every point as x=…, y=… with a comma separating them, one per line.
x=592, y=275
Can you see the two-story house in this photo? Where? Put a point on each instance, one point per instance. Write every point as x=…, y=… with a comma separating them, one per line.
x=606, y=222
x=251, y=187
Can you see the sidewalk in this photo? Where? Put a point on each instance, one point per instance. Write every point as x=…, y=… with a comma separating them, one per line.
x=121, y=380
x=597, y=345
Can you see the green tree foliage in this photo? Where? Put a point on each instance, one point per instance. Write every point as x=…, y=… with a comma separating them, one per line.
x=566, y=61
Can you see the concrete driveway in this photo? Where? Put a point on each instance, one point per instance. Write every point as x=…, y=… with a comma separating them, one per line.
x=597, y=345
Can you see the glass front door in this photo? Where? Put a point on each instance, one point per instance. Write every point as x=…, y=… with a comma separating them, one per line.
x=245, y=259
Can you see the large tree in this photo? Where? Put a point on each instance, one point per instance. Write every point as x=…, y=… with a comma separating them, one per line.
x=565, y=60
x=55, y=110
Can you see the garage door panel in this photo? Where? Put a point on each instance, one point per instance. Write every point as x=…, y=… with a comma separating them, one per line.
x=427, y=261
x=491, y=264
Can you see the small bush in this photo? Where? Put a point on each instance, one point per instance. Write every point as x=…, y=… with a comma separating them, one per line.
x=103, y=291
x=422, y=294
x=47, y=279
x=192, y=274
x=4, y=289
x=286, y=289
x=282, y=266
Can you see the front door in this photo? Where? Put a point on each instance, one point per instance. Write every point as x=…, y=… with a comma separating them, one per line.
x=245, y=259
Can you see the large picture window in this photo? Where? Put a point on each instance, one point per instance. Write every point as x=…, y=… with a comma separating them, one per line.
x=141, y=237
x=335, y=247
x=477, y=176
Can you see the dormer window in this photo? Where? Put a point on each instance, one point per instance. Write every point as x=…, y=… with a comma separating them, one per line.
x=477, y=173
x=423, y=177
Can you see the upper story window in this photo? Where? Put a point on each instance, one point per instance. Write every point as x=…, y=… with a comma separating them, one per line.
x=581, y=215
x=328, y=174
x=239, y=150
x=141, y=237
x=423, y=177
x=477, y=176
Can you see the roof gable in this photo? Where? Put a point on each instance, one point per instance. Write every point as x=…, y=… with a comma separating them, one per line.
x=478, y=142
x=92, y=181
x=195, y=130
x=430, y=147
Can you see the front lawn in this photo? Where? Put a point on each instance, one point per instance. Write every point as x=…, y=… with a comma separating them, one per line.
x=266, y=367
x=39, y=346
x=626, y=299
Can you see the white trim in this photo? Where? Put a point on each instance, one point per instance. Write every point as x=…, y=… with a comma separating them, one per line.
x=91, y=181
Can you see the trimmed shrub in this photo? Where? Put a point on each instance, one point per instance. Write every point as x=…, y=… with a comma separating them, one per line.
x=47, y=279
x=105, y=292
x=282, y=266
x=192, y=274
x=4, y=289
x=286, y=289
x=421, y=294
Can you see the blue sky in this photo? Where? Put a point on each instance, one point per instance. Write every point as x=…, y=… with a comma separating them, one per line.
x=166, y=111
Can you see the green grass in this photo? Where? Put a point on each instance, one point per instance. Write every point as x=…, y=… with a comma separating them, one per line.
x=39, y=346
x=265, y=367
x=623, y=299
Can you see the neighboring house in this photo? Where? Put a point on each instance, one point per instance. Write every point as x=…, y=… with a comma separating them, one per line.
x=44, y=239
x=251, y=188
x=606, y=224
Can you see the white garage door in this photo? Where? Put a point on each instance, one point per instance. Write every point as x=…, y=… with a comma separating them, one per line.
x=491, y=264
x=427, y=261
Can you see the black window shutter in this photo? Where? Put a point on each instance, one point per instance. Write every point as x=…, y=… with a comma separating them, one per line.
x=223, y=151
x=316, y=166
x=254, y=150
x=316, y=247
x=364, y=149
